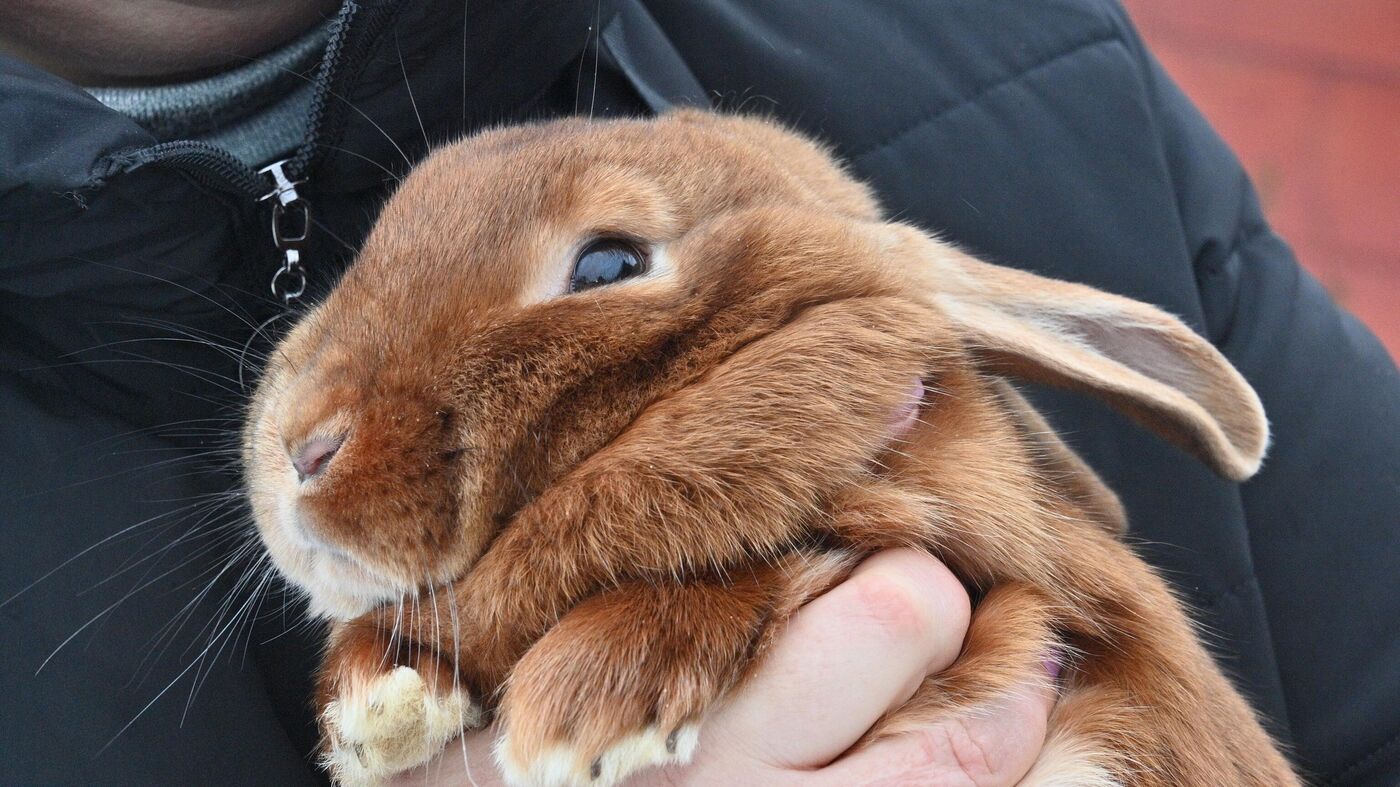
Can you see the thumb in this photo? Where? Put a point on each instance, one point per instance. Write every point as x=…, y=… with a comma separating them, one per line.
x=993, y=745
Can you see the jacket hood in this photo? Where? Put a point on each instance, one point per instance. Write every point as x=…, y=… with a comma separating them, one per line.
x=55, y=135
x=461, y=74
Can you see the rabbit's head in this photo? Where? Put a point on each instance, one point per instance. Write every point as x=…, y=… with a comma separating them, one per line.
x=522, y=297
x=528, y=292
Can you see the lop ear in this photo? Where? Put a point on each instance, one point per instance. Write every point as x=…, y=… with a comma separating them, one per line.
x=1139, y=359
x=1062, y=466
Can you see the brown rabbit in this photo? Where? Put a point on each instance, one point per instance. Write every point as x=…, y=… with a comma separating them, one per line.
x=602, y=403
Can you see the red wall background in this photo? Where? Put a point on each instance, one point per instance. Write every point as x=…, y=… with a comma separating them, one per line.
x=1307, y=92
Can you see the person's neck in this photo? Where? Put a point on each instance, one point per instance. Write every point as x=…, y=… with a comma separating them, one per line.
x=149, y=41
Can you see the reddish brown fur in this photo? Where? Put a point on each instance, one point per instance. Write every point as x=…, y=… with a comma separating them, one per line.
x=618, y=496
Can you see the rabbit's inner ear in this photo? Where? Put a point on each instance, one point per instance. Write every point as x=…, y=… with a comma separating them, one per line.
x=1138, y=358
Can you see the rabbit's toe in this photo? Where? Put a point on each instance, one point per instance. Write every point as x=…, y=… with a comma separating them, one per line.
x=391, y=723
x=560, y=764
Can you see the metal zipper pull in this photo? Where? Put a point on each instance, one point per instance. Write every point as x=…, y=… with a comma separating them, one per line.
x=291, y=224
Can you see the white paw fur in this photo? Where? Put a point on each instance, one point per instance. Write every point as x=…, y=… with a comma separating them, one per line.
x=562, y=766
x=391, y=724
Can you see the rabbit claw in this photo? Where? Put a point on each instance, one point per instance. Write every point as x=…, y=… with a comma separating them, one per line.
x=560, y=764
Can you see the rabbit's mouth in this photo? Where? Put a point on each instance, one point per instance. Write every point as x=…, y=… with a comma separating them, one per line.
x=340, y=587
x=337, y=583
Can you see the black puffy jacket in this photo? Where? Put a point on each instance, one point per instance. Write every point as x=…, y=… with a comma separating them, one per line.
x=1041, y=135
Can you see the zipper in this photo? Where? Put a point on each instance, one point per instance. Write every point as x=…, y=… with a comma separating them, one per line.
x=215, y=168
x=210, y=165
x=355, y=30
x=291, y=226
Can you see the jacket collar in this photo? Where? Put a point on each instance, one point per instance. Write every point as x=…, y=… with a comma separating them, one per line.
x=419, y=73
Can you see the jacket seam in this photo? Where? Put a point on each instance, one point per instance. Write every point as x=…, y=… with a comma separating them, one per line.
x=934, y=113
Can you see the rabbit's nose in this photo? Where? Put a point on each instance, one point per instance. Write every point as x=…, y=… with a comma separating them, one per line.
x=314, y=455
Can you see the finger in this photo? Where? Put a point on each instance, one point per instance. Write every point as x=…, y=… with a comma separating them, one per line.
x=847, y=658
x=993, y=746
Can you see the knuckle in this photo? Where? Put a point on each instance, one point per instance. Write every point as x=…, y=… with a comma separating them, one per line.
x=899, y=609
x=912, y=597
x=959, y=755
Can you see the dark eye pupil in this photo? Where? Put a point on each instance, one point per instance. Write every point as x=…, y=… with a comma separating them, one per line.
x=604, y=262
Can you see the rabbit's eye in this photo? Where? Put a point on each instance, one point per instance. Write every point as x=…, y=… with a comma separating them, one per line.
x=605, y=261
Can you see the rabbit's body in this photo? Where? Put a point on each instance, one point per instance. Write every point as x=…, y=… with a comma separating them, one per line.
x=592, y=510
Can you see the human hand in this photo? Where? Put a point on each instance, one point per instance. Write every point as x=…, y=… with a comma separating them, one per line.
x=844, y=660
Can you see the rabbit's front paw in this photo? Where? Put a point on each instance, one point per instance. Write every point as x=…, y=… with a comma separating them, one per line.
x=379, y=717
x=559, y=761
x=623, y=681
x=589, y=706
x=390, y=723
